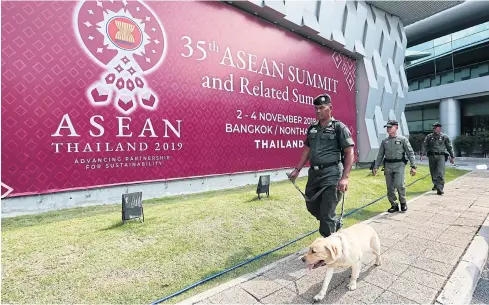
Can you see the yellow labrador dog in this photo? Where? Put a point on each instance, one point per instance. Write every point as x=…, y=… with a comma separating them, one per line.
x=344, y=248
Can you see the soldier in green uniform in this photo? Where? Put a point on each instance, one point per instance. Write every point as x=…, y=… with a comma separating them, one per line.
x=437, y=144
x=393, y=151
x=326, y=142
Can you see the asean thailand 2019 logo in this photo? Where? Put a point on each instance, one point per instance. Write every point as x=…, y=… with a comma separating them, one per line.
x=129, y=41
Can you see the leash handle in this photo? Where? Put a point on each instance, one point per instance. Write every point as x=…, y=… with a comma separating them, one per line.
x=342, y=205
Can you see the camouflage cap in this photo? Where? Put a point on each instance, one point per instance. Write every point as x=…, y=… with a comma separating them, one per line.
x=436, y=124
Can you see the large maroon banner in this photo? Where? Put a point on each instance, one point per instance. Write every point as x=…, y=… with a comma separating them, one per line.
x=102, y=93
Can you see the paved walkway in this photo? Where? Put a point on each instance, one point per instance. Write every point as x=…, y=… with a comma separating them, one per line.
x=420, y=249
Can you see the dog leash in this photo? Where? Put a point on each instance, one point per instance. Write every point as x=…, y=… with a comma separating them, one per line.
x=304, y=195
x=339, y=221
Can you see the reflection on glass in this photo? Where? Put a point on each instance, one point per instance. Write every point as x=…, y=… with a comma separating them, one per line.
x=451, y=42
x=446, y=77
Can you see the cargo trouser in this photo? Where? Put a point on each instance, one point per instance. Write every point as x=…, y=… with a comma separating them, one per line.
x=324, y=206
x=437, y=170
x=394, y=178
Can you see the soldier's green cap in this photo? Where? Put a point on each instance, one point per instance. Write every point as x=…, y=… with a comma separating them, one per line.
x=322, y=99
x=391, y=123
x=437, y=124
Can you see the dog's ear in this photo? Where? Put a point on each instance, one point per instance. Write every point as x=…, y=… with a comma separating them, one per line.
x=333, y=250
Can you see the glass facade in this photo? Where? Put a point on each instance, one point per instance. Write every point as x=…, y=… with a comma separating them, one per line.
x=475, y=115
x=452, y=58
x=421, y=118
x=452, y=42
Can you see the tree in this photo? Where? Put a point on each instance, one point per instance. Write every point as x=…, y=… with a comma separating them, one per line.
x=482, y=141
x=416, y=141
x=465, y=143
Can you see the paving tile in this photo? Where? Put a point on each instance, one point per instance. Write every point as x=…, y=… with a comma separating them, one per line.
x=390, y=235
x=427, y=233
x=393, y=266
x=474, y=215
x=308, y=286
x=368, y=258
x=234, y=295
x=455, y=238
x=399, y=256
x=444, y=253
x=436, y=225
x=287, y=272
x=379, y=277
x=284, y=296
x=388, y=297
x=415, y=241
x=379, y=226
x=386, y=243
x=476, y=208
x=420, y=216
x=399, y=229
x=339, y=295
x=451, y=212
x=397, y=216
x=413, y=291
x=443, y=219
x=483, y=203
x=432, y=266
x=467, y=222
x=425, y=208
x=261, y=287
x=319, y=274
x=424, y=277
x=365, y=292
x=463, y=229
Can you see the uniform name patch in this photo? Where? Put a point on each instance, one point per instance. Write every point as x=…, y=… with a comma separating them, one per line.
x=398, y=142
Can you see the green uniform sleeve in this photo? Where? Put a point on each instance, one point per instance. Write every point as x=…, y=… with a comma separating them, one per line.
x=306, y=141
x=345, y=137
x=448, y=144
x=424, y=145
x=380, y=155
x=410, y=152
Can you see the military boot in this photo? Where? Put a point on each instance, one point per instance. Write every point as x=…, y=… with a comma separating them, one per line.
x=394, y=208
x=434, y=188
x=440, y=192
x=403, y=207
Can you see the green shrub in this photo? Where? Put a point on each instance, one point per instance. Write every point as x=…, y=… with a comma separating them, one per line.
x=416, y=141
x=482, y=141
x=465, y=143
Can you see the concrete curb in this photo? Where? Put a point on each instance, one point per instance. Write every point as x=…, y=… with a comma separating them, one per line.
x=463, y=281
x=249, y=276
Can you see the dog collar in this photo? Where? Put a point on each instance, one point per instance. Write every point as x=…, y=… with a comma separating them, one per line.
x=342, y=247
x=342, y=243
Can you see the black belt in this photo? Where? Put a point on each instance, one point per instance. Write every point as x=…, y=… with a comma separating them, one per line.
x=324, y=165
x=435, y=153
x=393, y=160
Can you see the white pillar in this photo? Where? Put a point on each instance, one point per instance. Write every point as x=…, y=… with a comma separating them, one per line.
x=450, y=117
